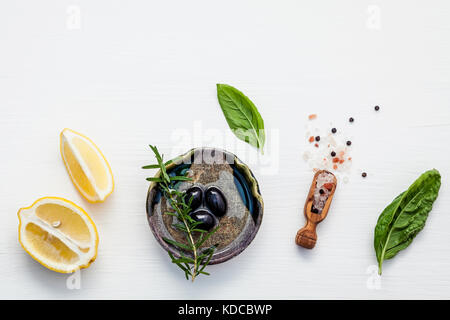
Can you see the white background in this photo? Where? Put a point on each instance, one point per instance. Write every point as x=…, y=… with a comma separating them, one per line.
x=137, y=72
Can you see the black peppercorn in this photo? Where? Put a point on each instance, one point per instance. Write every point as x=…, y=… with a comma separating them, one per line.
x=317, y=138
x=351, y=119
x=334, y=130
x=364, y=174
x=349, y=143
x=333, y=154
x=314, y=210
x=321, y=191
x=377, y=108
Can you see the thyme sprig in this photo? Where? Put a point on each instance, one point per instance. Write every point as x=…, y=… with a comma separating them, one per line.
x=195, y=261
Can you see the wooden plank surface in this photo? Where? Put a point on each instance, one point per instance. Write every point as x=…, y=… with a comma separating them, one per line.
x=132, y=73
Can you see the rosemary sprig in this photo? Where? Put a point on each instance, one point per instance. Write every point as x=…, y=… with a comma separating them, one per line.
x=195, y=261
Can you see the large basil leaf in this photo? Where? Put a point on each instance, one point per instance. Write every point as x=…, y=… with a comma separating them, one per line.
x=403, y=219
x=242, y=116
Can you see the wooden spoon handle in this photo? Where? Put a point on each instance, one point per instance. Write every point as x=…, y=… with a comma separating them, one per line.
x=307, y=236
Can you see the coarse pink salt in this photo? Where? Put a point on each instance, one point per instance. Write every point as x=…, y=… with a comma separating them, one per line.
x=324, y=186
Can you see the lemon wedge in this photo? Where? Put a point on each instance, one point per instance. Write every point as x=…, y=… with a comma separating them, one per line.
x=87, y=167
x=58, y=234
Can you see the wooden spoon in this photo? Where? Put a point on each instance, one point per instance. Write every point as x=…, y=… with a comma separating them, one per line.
x=307, y=236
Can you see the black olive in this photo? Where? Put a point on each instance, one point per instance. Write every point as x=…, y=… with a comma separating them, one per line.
x=206, y=218
x=196, y=194
x=215, y=201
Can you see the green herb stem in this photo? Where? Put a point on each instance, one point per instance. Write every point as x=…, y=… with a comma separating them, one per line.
x=192, y=267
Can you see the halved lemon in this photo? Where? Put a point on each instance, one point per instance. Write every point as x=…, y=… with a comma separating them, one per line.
x=87, y=167
x=58, y=234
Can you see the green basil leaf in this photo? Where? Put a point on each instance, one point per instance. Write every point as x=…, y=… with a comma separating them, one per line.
x=242, y=116
x=405, y=217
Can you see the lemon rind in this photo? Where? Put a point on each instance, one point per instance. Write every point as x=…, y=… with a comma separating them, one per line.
x=100, y=194
x=86, y=258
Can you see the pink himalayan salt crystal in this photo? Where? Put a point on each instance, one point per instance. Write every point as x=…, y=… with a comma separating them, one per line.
x=321, y=198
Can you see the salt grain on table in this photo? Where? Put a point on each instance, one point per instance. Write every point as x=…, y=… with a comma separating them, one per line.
x=319, y=154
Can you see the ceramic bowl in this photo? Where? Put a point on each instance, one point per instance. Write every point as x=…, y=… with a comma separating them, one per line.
x=219, y=168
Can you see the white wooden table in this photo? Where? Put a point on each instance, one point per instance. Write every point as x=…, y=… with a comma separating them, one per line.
x=130, y=73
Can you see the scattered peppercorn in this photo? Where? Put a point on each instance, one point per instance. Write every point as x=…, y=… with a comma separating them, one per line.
x=317, y=138
x=315, y=210
x=364, y=174
x=349, y=143
x=377, y=108
x=334, y=130
x=333, y=154
x=351, y=119
x=321, y=191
